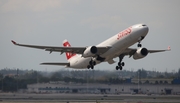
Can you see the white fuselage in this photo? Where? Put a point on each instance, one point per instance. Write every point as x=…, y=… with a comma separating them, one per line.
x=118, y=43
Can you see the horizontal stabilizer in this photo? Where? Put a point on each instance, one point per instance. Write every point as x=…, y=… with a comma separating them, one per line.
x=61, y=64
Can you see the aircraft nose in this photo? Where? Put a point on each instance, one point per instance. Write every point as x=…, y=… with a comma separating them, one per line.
x=141, y=28
x=145, y=28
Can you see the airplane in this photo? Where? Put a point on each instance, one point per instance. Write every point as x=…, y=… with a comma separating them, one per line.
x=116, y=46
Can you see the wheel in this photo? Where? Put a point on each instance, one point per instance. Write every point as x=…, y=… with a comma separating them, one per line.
x=120, y=67
x=139, y=45
x=117, y=67
x=92, y=67
x=119, y=63
x=122, y=64
x=88, y=66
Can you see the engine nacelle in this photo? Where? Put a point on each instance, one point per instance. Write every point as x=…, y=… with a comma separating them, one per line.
x=140, y=53
x=90, y=51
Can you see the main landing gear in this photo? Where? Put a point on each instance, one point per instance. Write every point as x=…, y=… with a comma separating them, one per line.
x=91, y=64
x=120, y=63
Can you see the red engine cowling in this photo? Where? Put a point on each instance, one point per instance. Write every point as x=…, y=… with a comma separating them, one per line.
x=140, y=53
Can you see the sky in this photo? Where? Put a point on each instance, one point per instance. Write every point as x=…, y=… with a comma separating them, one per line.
x=87, y=23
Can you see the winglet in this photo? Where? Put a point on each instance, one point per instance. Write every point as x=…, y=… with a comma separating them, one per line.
x=14, y=42
x=169, y=48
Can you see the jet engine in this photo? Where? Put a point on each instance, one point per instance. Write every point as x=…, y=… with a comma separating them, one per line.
x=90, y=51
x=140, y=53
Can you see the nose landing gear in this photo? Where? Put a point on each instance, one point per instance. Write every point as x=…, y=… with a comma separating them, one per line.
x=120, y=63
x=139, y=45
x=139, y=41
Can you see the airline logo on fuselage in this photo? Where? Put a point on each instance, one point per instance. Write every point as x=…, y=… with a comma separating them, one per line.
x=124, y=33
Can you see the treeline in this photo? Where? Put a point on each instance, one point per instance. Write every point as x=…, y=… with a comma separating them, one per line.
x=15, y=82
x=15, y=79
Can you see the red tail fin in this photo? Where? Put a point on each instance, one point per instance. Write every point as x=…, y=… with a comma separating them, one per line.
x=68, y=54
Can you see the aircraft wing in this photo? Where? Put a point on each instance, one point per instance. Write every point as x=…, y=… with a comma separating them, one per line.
x=78, y=50
x=155, y=51
x=62, y=64
x=131, y=51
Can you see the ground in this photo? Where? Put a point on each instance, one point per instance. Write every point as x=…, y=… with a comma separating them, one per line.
x=87, y=98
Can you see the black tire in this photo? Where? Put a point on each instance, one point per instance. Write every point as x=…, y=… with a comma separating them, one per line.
x=88, y=66
x=92, y=67
x=120, y=67
x=139, y=45
x=122, y=64
x=117, y=67
x=119, y=63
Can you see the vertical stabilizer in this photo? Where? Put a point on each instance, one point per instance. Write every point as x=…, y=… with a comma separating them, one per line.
x=68, y=54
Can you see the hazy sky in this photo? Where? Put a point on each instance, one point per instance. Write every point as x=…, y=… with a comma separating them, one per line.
x=85, y=23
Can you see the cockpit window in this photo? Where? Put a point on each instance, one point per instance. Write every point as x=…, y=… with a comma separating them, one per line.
x=143, y=25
